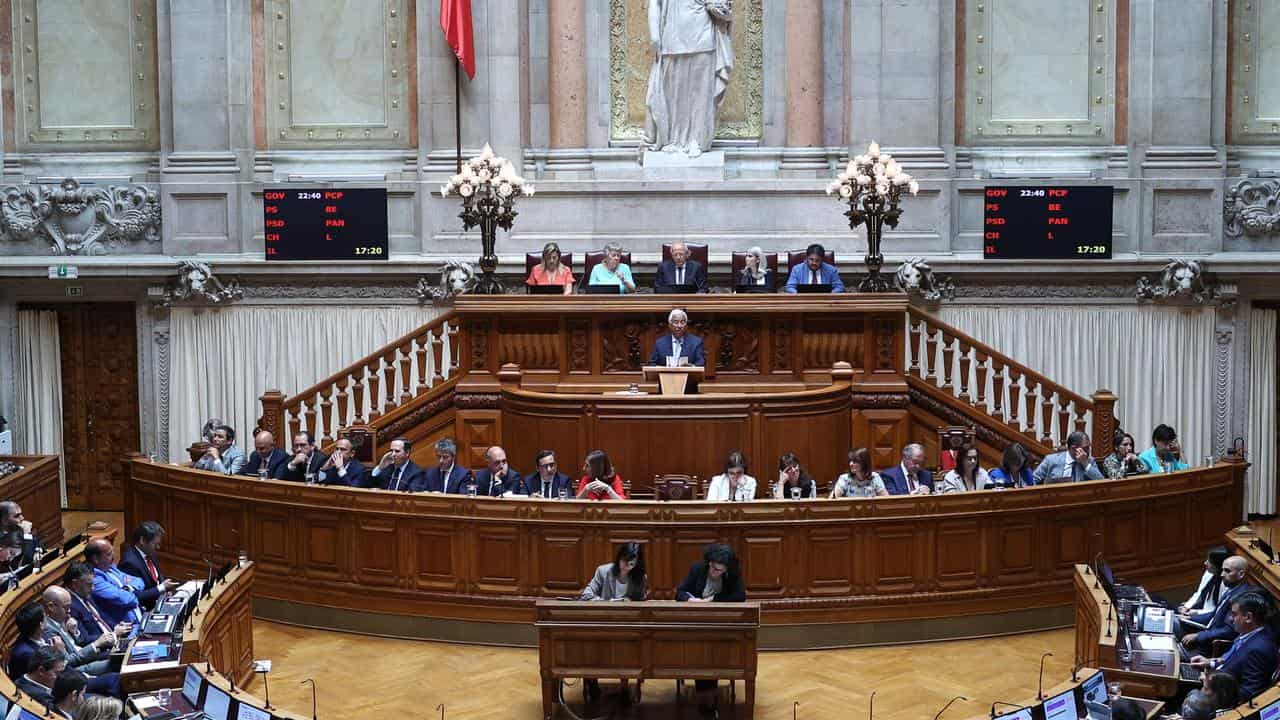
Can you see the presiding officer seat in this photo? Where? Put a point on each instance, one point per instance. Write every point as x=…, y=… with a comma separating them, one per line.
x=697, y=251
x=594, y=258
x=795, y=257
x=678, y=487
x=739, y=264
x=533, y=258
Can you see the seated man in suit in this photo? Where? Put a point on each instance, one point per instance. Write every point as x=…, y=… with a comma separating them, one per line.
x=1075, y=464
x=307, y=459
x=90, y=623
x=11, y=546
x=909, y=477
x=11, y=518
x=223, y=456
x=548, y=481
x=679, y=344
x=118, y=595
x=498, y=478
x=30, y=624
x=140, y=558
x=1217, y=622
x=679, y=271
x=1251, y=659
x=447, y=476
x=91, y=658
x=815, y=270
x=38, y=681
x=342, y=467
x=267, y=460
x=1164, y=455
x=395, y=471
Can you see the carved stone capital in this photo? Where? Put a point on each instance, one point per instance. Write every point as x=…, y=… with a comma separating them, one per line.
x=1252, y=208
x=77, y=220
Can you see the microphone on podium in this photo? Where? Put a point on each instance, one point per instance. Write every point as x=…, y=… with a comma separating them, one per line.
x=949, y=703
x=1001, y=702
x=1040, y=691
x=871, y=705
x=313, y=697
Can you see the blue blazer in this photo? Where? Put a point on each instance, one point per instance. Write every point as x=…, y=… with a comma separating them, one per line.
x=694, y=274
x=1218, y=622
x=453, y=485
x=828, y=275
x=276, y=464
x=999, y=479
x=532, y=484
x=410, y=477
x=116, y=595
x=691, y=348
x=510, y=482
x=355, y=476
x=1252, y=663
x=896, y=483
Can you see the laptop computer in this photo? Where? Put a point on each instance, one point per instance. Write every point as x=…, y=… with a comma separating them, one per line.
x=603, y=290
x=544, y=289
x=813, y=288
x=685, y=289
x=752, y=289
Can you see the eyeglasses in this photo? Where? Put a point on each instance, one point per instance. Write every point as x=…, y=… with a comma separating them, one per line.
x=546, y=465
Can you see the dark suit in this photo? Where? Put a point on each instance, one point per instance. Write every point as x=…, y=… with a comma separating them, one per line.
x=89, y=628
x=746, y=278
x=691, y=349
x=455, y=484
x=133, y=562
x=532, y=484
x=1217, y=622
x=38, y=692
x=1252, y=662
x=409, y=480
x=276, y=464
x=355, y=477
x=694, y=274
x=896, y=483
x=731, y=587
x=299, y=474
x=508, y=482
x=20, y=658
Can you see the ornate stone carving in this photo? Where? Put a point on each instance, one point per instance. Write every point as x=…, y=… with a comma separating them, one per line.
x=304, y=290
x=79, y=220
x=1221, y=388
x=161, y=337
x=1031, y=290
x=1181, y=278
x=418, y=416
x=915, y=277
x=1252, y=208
x=197, y=283
x=884, y=343
x=456, y=278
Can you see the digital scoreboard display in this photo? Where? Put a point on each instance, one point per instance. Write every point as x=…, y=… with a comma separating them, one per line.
x=1047, y=223
x=320, y=224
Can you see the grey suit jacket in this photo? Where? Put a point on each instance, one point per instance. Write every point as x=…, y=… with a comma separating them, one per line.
x=77, y=654
x=1051, y=469
x=602, y=586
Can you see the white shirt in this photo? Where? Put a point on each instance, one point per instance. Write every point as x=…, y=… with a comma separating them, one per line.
x=718, y=490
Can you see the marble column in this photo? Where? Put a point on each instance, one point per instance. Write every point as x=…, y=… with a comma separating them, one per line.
x=804, y=151
x=568, y=73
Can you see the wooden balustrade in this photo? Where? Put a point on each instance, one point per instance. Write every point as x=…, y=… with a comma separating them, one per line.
x=1021, y=404
x=389, y=378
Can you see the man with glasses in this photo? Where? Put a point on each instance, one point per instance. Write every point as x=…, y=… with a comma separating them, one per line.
x=307, y=459
x=548, y=481
x=498, y=478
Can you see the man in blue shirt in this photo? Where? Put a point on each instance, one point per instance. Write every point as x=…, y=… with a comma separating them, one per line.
x=814, y=271
x=1164, y=455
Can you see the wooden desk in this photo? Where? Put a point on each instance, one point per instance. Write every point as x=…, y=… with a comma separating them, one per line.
x=1149, y=674
x=647, y=640
x=36, y=488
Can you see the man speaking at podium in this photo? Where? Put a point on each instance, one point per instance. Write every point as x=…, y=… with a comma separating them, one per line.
x=686, y=349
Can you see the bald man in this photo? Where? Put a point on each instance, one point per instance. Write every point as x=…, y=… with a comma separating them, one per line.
x=498, y=478
x=92, y=657
x=1217, y=622
x=118, y=595
x=680, y=274
x=267, y=461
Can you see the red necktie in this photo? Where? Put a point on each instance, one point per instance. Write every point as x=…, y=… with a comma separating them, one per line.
x=155, y=574
x=101, y=623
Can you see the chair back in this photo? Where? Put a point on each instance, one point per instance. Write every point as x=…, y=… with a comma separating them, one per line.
x=361, y=437
x=697, y=251
x=949, y=436
x=795, y=257
x=740, y=263
x=533, y=258
x=677, y=487
x=594, y=258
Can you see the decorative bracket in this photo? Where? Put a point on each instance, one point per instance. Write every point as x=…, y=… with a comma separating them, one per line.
x=1252, y=209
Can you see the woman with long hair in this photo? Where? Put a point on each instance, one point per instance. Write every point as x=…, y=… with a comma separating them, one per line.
x=600, y=481
x=794, y=482
x=734, y=484
x=861, y=481
x=968, y=475
x=1013, y=471
x=551, y=271
x=622, y=579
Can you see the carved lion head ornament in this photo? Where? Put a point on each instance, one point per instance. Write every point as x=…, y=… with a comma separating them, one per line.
x=457, y=277
x=1181, y=278
x=915, y=277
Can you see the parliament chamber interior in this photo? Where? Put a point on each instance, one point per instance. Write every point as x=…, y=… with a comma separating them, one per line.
x=666, y=359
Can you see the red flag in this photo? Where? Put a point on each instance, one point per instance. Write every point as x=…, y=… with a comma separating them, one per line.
x=455, y=19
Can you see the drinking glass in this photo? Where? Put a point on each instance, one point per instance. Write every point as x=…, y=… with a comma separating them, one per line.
x=311, y=478
x=795, y=493
x=1113, y=691
x=262, y=473
x=471, y=489
x=163, y=695
x=564, y=493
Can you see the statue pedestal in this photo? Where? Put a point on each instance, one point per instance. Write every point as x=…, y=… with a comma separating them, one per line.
x=660, y=165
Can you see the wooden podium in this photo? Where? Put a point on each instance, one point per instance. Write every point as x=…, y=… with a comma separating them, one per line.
x=673, y=380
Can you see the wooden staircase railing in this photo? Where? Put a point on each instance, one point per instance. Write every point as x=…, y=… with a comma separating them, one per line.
x=369, y=388
x=1020, y=401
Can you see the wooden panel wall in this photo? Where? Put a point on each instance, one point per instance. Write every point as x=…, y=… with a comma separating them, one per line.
x=35, y=488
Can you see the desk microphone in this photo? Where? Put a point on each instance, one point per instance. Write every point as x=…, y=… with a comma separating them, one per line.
x=1108, y=622
x=1096, y=573
x=871, y=705
x=1001, y=702
x=1074, y=670
x=313, y=698
x=440, y=707
x=949, y=702
x=795, y=709
x=1040, y=692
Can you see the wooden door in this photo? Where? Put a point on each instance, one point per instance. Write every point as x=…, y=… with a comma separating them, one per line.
x=99, y=401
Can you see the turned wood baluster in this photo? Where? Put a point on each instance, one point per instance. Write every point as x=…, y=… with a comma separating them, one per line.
x=1015, y=401
x=998, y=390
x=326, y=419
x=1032, y=397
x=342, y=401
x=406, y=376
x=948, y=360
x=1082, y=418
x=357, y=395
x=966, y=359
x=1046, y=415
x=914, y=331
x=295, y=423
x=454, y=350
x=1064, y=420
x=389, y=382
x=980, y=397
x=421, y=355
x=438, y=360
x=935, y=368
x=311, y=427
x=375, y=382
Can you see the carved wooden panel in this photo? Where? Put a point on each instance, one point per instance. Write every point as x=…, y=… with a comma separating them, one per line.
x=732, y=344
x=1014, y=552
x=959, y=550
x=1167, y=528
x=496, y=556
x=1255, y=62
x=579, y=351
x=765, y=563
x=894, y=558
x=338, y=73
x=185, y=531
x=812, y=438
x=227, y=525
x=85, y=75
x=1126, y=543
x=325, y=549
x=1070, y=540
x=625, y=344
x=273, y=540
x=694, y=447
x=435, y=567
x=559, y=558
x=826, y=341
x=377, y=560
x=1025, y=85
x=478, y=430
x=672, y=652
x=831, y=571
x=883, y=432
x=533, y=345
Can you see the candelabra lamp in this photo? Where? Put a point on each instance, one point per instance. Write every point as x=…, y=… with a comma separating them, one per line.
x=872, y=185
x=488, y=186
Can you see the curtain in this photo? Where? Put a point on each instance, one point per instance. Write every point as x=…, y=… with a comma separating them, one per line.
x=39, y=425
x=1260, y=437
x=224, y=359
x=1159, y=361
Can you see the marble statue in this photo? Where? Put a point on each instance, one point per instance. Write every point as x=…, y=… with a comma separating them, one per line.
x=693, y=55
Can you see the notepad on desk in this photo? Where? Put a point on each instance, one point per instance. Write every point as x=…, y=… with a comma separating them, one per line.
x=1156, y=642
